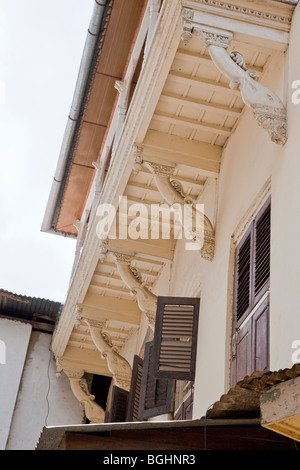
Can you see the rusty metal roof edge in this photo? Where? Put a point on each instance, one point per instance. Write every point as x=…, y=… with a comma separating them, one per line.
x=18, y=305
x=51, y=436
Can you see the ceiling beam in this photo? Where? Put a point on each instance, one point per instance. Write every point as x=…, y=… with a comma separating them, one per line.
x=163, y=249
x=198, y=58
x=88, y=360
x=158, y=146
x=192, y=123
x=100, y=307
x=210, y=85
x=200, y=104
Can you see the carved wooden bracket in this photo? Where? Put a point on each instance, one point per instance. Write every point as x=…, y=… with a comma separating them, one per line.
x=130, y=276
x=172, y=192
x=267, y=108
x=103, y=249
x=79, y=387
x=117, y=364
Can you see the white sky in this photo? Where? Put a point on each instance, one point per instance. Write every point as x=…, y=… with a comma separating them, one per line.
x=41, y=44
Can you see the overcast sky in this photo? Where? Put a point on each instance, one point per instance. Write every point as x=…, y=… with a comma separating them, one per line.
x=41, y=44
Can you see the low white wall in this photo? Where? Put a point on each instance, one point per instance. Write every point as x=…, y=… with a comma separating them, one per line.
x=15, y=337
x=43, y=398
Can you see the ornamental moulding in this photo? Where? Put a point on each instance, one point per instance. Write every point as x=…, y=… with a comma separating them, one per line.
x=188, y=13
x=93, y=411
x=266, y=106
x=172, y=192
x=117, y=364
x=145, y=298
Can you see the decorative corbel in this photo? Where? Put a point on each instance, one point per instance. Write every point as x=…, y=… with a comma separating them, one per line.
x=145, y=298
x=103, y=249
x=117, y=364
x=93, y=411
x=172, y=192
x=268, y=109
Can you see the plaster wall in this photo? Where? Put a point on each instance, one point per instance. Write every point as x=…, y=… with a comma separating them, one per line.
x=285, y=298
x=15, y=336
x=251, y=163
x=43, y=399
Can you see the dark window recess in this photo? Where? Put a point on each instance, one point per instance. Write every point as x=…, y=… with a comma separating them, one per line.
x=185, y=411
x=118, y=407
x=252, y=267
x=135, y=390
x=175, y=338
x=99, y=388
x=156, y=395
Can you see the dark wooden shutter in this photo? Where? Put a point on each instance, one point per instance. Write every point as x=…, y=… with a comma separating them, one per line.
x=252, y=266
x=252, y=280
x=262, y=245
x=242, y=357
x=156, y=394
x=175, y=338
x=118, y=407
x=243, y=273
x=260, y=337
x=185, y=410
x=135, y=390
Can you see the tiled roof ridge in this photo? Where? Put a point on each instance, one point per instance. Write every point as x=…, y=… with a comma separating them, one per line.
x=259, y=380
x=243, y=399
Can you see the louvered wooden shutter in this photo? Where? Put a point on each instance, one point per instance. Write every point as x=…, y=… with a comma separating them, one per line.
x=243, y=271
x=118, y=407
x=135, y=390
x=252, y=268
x=175, y=338
x=262, y=244
x=185, y=410
x=242, y=356
x=156, y=394
x=260, y=337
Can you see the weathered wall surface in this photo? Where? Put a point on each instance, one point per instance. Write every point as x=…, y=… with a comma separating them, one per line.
x=15, y=336
x=31, y=396
x=251, y=163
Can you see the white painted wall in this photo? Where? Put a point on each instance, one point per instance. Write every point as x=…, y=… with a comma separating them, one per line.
x=285, y=298
x=250, y=160
x=15, y=335
x=43, y=398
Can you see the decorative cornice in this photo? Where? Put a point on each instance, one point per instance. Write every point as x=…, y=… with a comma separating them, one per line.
x=122, y=257
x=213, y=37
x=188, y=13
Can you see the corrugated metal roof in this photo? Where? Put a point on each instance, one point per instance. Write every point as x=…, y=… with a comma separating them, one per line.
x=27, y=308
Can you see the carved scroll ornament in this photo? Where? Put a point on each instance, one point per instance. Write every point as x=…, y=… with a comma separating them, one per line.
x=145, y=298
x=93, y=411
x=118, y=366
x=173, y=193
x=267, y=108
